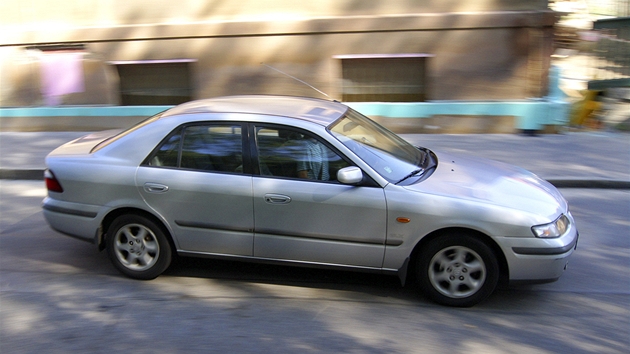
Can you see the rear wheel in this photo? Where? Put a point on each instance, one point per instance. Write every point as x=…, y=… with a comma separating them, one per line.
x=138, y=247
x=457, y=270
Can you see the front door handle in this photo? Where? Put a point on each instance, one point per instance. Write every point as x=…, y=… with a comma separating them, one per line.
x=155, y=188
x=277, y=199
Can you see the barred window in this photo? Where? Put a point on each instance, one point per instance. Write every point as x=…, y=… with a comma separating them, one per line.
x=154, y=82
x=384, y=77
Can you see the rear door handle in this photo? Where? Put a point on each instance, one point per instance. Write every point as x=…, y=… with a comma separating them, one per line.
x=155, y=188
x=277, y=199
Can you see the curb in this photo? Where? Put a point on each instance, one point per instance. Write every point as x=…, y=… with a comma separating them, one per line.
x=38, y=175
x=33, y=175
x=589, y=183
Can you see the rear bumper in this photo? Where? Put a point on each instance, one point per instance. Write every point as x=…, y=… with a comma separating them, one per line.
x=72, y=219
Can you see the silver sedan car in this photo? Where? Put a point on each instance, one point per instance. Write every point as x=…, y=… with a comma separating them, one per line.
x=302, y=181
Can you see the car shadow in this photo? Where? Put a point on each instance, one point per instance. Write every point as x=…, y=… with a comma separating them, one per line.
x=379, y=285
x=371, y=284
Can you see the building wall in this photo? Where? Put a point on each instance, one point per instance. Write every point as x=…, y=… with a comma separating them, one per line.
x=32, y=15
x=481, y=50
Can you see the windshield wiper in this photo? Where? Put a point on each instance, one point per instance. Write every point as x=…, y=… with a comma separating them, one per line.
x=413, y=173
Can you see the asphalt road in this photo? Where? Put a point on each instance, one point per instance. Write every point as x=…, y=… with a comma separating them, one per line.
x=60, y=295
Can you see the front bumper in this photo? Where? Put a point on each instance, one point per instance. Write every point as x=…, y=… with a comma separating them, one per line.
x=537, y=259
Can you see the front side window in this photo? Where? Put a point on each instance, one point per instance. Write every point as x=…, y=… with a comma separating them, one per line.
x=211, y=147
x=296, y=154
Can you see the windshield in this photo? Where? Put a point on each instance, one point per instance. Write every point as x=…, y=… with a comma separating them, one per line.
x=387, y=153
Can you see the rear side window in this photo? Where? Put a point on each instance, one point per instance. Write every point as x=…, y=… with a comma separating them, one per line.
x=207, y=147
x=167, y=154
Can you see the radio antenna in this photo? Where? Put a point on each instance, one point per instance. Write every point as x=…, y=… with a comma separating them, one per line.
x=295, y=78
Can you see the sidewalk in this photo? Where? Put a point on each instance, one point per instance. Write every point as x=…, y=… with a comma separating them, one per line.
x=571, y=160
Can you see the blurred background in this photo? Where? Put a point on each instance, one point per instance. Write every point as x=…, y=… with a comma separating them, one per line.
x=477, y=66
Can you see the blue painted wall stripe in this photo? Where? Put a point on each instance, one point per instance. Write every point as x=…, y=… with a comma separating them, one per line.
x=530, y=114
x=87, y=111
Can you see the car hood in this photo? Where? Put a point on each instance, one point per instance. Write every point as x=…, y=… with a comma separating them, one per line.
x=492, y=182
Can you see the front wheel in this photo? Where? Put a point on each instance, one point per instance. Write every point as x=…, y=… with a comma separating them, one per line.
x=457, y=270
x=138, y=247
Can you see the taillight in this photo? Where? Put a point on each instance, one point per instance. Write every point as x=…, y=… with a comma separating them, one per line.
x=52, y=184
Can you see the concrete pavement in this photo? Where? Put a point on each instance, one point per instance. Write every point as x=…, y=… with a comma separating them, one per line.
x=570, y=160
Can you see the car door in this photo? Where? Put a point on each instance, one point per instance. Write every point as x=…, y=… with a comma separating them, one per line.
x=311, y=217
x=195, y=181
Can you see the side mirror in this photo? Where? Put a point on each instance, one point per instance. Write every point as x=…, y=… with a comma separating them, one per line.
x=350, y=175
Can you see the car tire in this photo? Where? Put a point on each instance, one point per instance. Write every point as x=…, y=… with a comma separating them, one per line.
x=138, y=247
x=457, y=270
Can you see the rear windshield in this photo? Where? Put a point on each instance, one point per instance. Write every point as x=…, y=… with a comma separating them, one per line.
x=113, y=138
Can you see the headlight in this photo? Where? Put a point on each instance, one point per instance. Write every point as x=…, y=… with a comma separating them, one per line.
x=553, y=229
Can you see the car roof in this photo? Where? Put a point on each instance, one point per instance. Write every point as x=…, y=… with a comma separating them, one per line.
x=315, y=110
